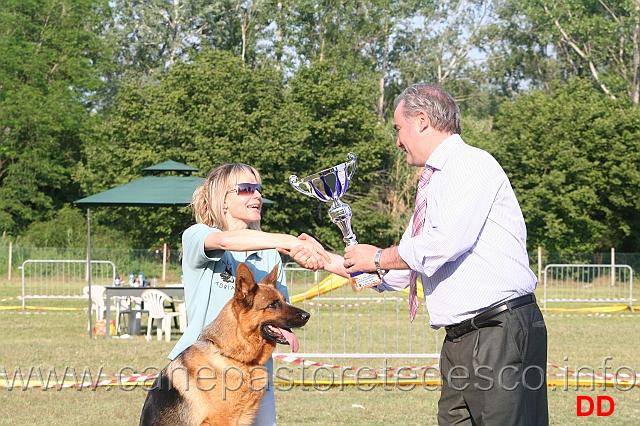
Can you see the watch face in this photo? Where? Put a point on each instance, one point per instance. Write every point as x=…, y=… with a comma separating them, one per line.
x=376, y=259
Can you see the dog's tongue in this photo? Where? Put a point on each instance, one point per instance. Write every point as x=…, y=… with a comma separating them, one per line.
x=291, y=338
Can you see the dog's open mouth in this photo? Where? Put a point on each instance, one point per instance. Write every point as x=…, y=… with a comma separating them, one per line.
x=283, y=336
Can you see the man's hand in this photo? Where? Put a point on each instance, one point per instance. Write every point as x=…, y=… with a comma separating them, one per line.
x=360, y=258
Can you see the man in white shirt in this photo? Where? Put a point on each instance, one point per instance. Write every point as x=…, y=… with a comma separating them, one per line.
x=470, y=252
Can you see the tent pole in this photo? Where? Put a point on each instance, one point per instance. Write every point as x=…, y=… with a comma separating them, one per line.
x=89, y=270
x=164, y=262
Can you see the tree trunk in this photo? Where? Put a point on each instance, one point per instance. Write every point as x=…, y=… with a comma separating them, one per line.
x=383, y=73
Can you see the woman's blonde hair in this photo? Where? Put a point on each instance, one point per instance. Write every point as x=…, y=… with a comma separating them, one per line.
x=208, y=199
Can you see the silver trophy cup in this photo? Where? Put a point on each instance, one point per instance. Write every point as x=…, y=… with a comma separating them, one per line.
x=330, y=185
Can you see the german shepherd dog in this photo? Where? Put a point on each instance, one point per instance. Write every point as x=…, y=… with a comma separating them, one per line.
x=221, y=378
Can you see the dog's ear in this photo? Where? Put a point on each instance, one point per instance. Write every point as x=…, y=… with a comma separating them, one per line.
x=246, y=285
x=272, y=278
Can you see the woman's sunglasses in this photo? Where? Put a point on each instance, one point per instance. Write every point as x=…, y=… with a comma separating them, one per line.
x=247, y=188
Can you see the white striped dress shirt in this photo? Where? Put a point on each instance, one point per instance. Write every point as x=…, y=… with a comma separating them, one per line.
x=471, y=254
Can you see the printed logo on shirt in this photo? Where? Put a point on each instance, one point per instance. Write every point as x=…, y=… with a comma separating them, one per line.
x=227, y=275
x=227, y=279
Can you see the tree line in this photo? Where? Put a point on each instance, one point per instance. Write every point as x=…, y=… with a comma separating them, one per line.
x=93, y=91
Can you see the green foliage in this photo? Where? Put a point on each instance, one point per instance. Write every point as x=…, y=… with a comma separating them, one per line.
x=546, y=40
x=49, y=57
x=68, y=228
x=211, y=111
x=339, y=118
x=218, y=110
x=93, y=91
x=572, y=157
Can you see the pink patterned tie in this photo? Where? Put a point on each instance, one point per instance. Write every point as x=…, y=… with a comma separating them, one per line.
x=418, y=224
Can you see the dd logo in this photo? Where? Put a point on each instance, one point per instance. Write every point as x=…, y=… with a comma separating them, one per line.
x=599, y=401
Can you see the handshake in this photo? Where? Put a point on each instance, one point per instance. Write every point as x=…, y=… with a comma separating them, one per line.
x=309, y=253
x=358, y=264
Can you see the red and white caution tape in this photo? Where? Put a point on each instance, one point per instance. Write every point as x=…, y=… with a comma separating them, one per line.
x=619, y=377
x=355, y=305
x=594, y=299
x=52, y=296
x=306, y=363
x=132, y=380
x=138, y=379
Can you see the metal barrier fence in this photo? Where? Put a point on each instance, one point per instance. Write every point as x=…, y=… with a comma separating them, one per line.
x=344, y=323
x=348, y=324
x=588, y=284
x=62, y=279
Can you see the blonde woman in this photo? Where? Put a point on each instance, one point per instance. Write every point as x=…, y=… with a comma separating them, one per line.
x=227, y=209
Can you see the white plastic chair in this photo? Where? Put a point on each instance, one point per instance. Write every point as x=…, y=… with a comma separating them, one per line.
x=97, y=301
x=182, y=309
x=154, y=302
x=122, y=306
x=130, y=308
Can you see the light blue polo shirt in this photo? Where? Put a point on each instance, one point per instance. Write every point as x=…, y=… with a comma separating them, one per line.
x=209, y=279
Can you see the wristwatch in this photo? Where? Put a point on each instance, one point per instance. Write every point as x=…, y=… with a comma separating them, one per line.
x=376, y=261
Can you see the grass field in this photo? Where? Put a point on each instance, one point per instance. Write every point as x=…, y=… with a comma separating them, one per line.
x=60, y=339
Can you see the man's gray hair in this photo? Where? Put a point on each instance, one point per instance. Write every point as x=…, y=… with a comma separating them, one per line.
x=440, y=107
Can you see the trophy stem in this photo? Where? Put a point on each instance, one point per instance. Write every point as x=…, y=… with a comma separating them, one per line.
x=340, y=214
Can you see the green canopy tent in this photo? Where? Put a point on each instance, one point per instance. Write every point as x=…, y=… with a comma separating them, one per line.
x=150, y=191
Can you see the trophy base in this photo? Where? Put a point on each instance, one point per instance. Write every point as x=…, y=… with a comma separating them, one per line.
x=362, y=281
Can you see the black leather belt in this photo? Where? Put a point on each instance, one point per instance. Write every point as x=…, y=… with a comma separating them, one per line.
x=483, y=319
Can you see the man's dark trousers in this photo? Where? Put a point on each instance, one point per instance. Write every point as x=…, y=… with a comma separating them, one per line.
x=483, y=381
